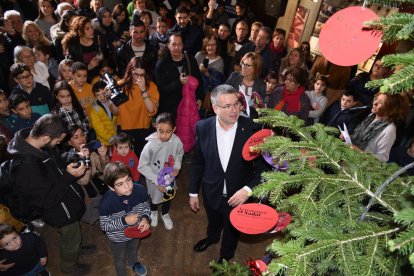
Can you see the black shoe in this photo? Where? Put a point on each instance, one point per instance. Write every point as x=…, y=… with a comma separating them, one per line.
x=78, y=269
x=203, y=245
x=43, y=273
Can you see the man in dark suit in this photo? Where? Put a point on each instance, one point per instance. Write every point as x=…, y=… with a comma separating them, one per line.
x=226, y=178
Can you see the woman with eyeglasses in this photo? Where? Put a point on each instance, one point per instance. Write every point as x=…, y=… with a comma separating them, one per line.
x=291, y=97
x=136, y=114
x=251, y=88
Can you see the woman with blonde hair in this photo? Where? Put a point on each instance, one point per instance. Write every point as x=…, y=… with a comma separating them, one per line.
x=295, y=58
x=33, y=35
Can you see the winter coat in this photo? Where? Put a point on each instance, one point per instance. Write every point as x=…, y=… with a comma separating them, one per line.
x=187, y=114
x=49, y=191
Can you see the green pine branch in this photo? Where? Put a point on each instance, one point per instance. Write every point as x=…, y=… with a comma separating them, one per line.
x=397, y=26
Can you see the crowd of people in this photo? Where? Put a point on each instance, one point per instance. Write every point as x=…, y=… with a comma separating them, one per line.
x=175, y=62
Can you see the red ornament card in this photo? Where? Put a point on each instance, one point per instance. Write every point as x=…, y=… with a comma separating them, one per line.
x=343, y=39
x=255, y=140
x=253, y=218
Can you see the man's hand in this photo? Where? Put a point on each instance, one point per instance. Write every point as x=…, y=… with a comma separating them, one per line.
x=3, y=266
x=238, y=198
x=131, y=219
x=194, y=204
x=76, y=171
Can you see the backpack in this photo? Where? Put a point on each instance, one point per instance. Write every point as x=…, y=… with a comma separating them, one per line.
x=10, y=195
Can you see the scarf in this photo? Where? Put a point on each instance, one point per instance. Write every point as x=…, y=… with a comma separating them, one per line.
x=368, y=130
x=276, y=50
x=292, y=99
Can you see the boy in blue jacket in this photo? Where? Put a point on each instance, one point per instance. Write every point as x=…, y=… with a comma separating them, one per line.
x=123, y=205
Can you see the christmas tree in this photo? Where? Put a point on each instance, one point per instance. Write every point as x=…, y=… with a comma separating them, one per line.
x=352, y=215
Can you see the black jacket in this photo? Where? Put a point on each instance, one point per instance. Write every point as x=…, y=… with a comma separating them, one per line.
x=125, y=54
x=49, y=190
x=167, y=78
x=192, y=37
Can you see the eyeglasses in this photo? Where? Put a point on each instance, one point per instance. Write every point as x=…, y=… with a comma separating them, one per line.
x=138, y=75
x=305, y=48
x=242, y=64
x=228, y=107
x=25, y=77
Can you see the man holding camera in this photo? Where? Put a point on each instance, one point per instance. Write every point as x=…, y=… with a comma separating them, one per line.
x=44, y=188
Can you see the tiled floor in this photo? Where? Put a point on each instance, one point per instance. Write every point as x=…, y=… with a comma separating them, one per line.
x=164, y=252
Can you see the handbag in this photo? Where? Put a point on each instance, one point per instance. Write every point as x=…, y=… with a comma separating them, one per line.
x=7, y=218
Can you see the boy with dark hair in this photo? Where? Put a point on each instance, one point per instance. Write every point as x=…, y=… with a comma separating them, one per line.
x=341, y=112
x=123, y=205
x=23, y=116
x=123, y=153
x=82, y=89
x=5, y=127
x=49, y=192
x=24, y=254
x=38, y=95
x=103, y=114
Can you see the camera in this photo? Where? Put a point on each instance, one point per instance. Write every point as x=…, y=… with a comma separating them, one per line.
x=79, y=160
x=117, y=96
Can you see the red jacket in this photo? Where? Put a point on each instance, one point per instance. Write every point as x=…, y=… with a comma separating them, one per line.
x=130, y=160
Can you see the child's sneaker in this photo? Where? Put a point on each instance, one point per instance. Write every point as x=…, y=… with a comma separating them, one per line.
x=167, y=221
x=38, y=223
x=139, y=269
x=154, y=218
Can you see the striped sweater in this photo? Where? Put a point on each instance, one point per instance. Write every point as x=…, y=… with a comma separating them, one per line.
x=113, y=209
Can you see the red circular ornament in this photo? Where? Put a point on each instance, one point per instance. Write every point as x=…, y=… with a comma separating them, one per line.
x=255, y=140
x=134, y=232
x=343, y=41
x=253, y=218
x=283, y=222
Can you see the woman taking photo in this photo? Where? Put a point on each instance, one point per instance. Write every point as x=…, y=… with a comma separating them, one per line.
x=291, y=97
x=377, y=133
x=135, y=115
x=81, y=44
x=212, y=74
x=58, y=31
x=248, y=83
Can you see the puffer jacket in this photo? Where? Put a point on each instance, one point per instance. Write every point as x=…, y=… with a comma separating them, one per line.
x=187, y=114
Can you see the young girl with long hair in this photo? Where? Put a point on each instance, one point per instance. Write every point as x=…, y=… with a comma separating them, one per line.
x=68, y=106
x=317, y=98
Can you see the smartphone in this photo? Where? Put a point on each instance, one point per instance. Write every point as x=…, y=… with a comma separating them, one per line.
x=205, y=63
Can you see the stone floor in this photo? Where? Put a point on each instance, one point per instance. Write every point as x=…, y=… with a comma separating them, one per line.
x=164, y=252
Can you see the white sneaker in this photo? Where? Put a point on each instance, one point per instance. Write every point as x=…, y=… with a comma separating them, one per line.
x=167, y=221
x=38, y=223
x=154, y=218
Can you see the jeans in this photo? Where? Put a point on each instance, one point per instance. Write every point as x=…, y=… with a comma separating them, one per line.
x=124, y=250
x=70, y=242
x=38, y=268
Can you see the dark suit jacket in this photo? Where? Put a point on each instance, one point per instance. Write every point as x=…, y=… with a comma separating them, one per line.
x=206, y=165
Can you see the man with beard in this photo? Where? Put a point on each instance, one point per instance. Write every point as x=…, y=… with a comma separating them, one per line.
x=47, y=189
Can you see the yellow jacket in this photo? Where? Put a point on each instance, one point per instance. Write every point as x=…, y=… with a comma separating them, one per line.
x=104, y=127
